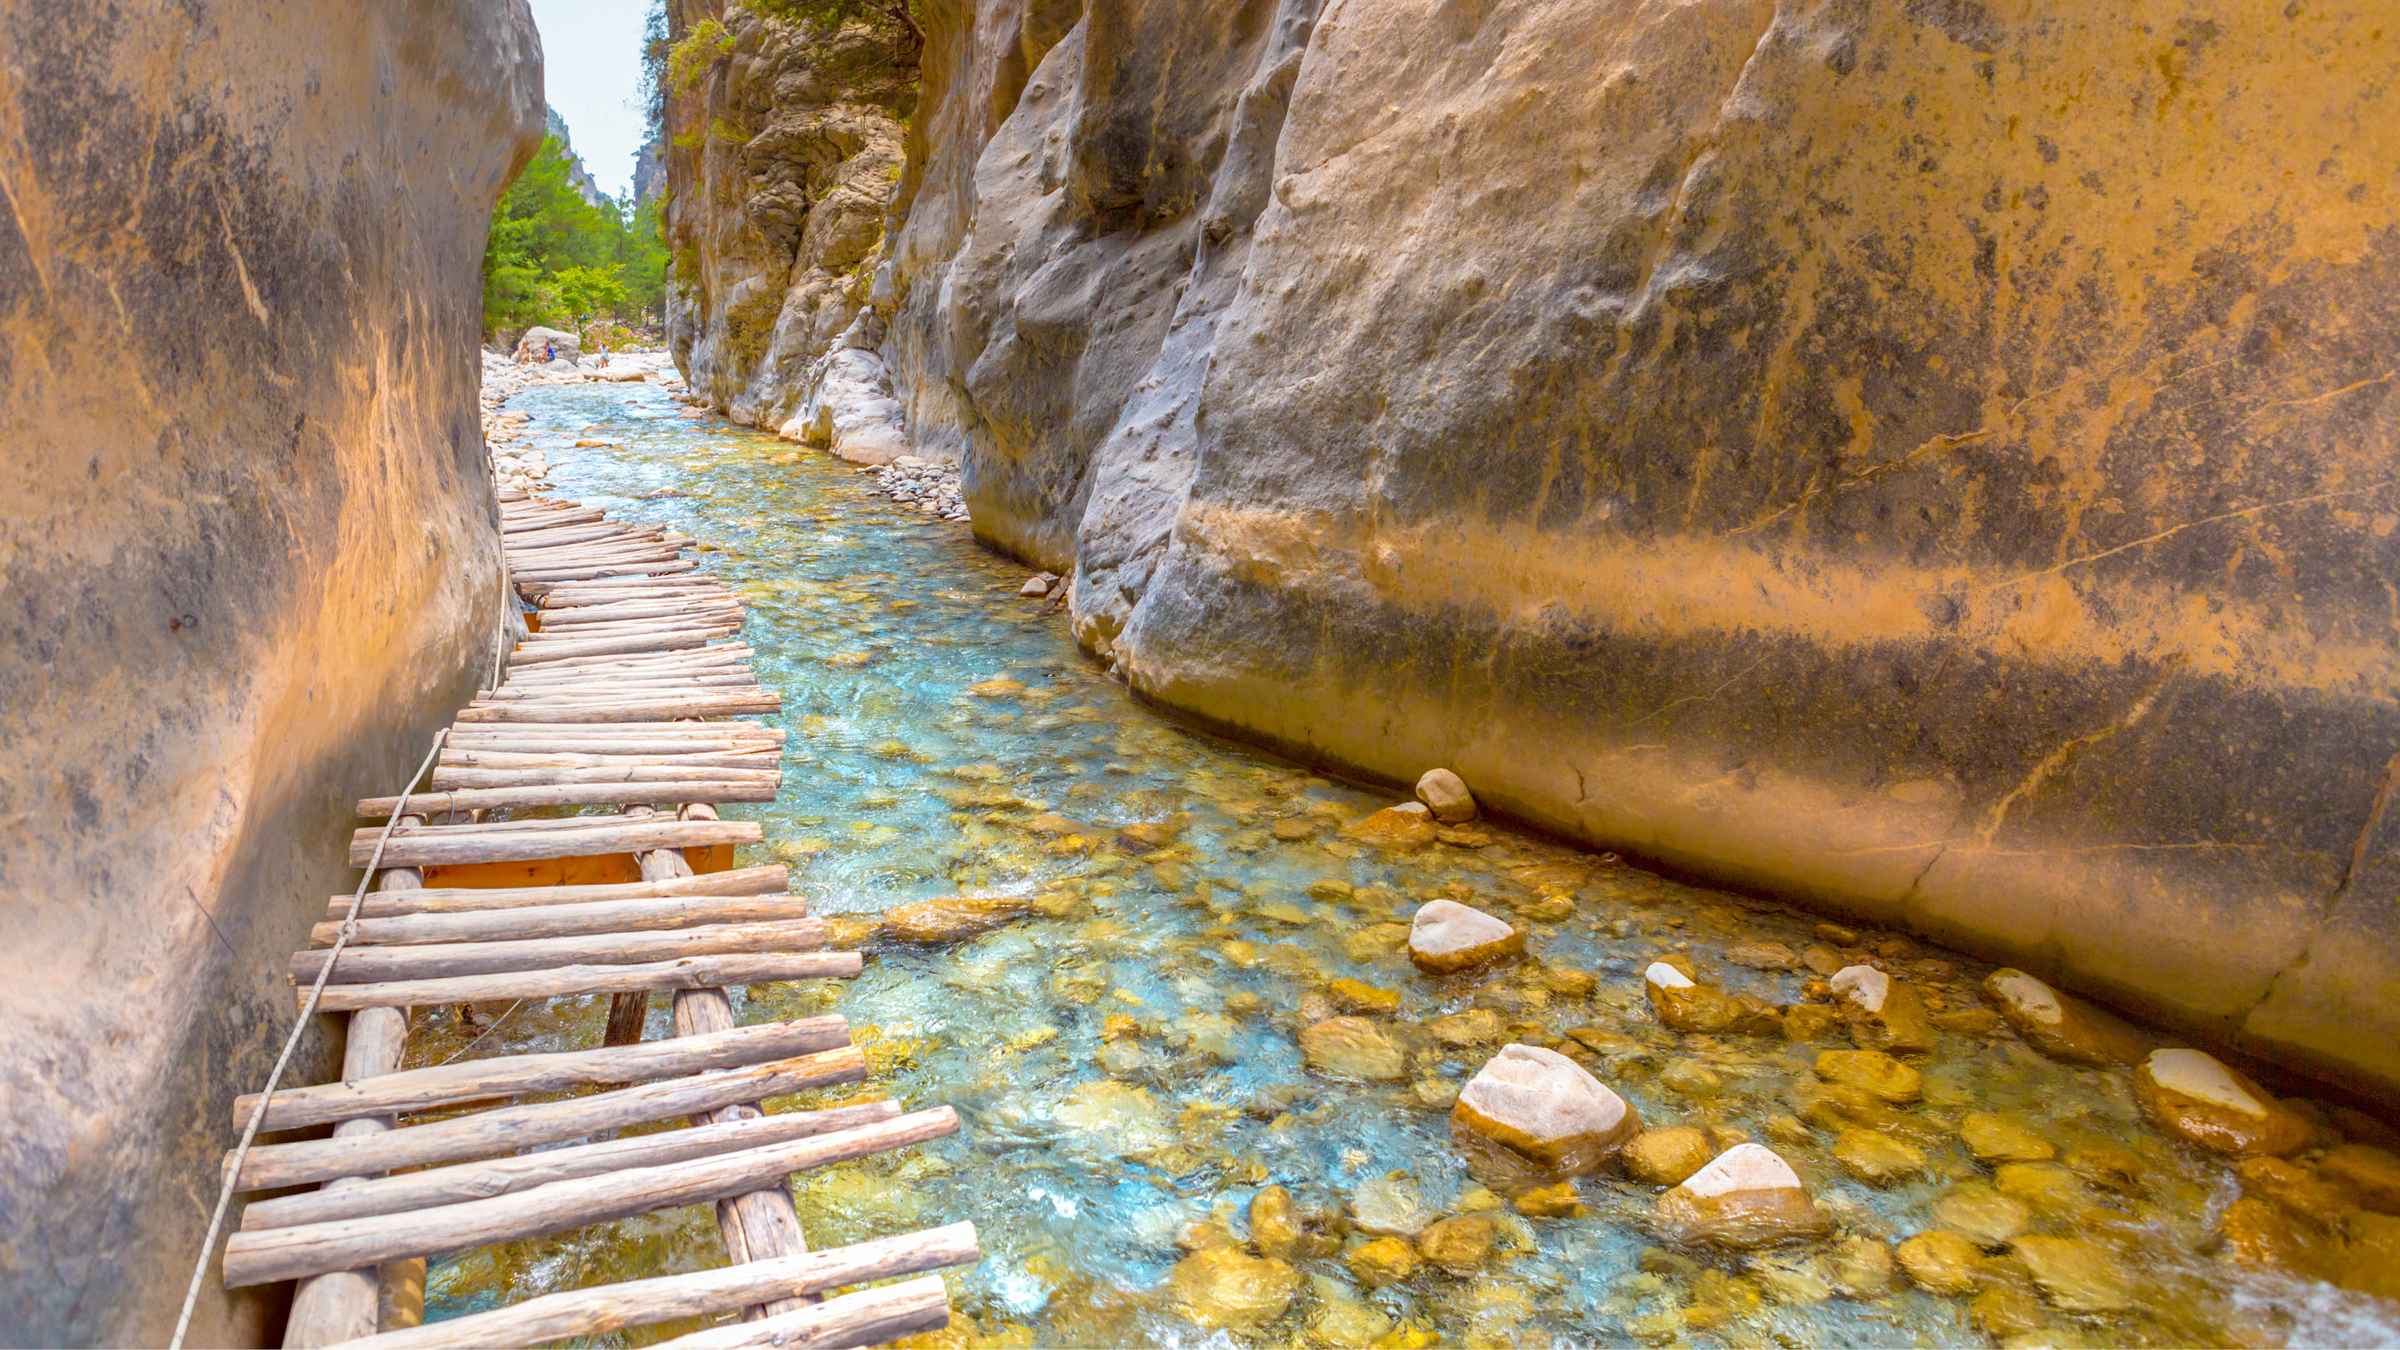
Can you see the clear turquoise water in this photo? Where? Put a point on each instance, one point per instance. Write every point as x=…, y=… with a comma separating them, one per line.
x=1127, y=1065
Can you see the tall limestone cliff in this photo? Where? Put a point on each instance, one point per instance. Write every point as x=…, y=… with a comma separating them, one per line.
x=1931, y=460
x=249, y=562
x=784, y=143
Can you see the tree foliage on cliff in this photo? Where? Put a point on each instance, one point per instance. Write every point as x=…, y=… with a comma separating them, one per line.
x=553, y=258
x=900, y=14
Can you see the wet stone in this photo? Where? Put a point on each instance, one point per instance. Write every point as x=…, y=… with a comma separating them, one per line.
x=2372, y=1172
x=1382, y=1261
x=2076, y=1274
x=1354, y=1047
x=1447, y=937
x=1995, y=1138
x=2195, y=1097
x=1445, y=795
x=1225, y=1287
x=1664, y=1157
x=1390, y=1206
x=1862, y=1267
x=1274, y=1223
x=1941, y=1262
x=1405, y=828
x=1746, y=1197
x=1872, y=1072
x=1545, y=1106
x=951, y=918
x=1876, y=1158
x=2059, y=1025
x=1978, y=1210
x=1460, y=1245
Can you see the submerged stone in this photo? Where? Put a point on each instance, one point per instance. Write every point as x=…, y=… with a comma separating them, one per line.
x=1664, y=1157
x=1747, y=1197
x=1446, y=937
x=1382, y=1261
x=1941, y=1262
x=1559, y=1200
x=951, y=917
x=1460, y=1245
x=1353, y=1047
x=1872, y=1072
x=1227, y=1288
x=1995, y=1138
x=2195, y=1097
x=2372, y=1172
x=1684, y=1004
x=1877, y=1158
x=1980, y=1211
x=1390, y=1205
x=2077, y=1274
x=1544, y=1105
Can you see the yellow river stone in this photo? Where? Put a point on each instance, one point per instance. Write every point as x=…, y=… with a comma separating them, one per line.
x=1226, y=1287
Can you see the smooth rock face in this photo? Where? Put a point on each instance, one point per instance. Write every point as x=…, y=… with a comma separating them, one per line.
x=1447, y=936
x=1747, y=1197
x=951, y=917
x=1445, y=794
x=251, y=567
x=1536, y=435
x=1544, y=1105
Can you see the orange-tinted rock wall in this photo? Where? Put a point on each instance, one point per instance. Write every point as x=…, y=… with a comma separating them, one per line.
x=248, y=562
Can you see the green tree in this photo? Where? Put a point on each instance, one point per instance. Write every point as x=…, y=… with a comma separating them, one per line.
x=554, y=258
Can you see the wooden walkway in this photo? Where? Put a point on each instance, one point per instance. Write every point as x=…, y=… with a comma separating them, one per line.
x=610, y=703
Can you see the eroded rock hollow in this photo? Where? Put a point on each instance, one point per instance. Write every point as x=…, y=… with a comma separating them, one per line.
x=1933, y=461
x=250, y=565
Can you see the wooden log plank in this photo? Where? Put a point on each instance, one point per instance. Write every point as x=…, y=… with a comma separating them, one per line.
x=715, y=627
x=771, y=879
x=685, y=736
x=649, y=609
x=859, y=1318
x=583, y=1313
x=343, y=1304
x=564, y=920
x=577, y=594
x=395, y=1091
x=594, y=550
x=717, y=654
x=259, y=1256
x=638, y=684
x=511, y=1128
x=576, y=534
x=502, y=1176
x=692, y=972
x=533, y=845
x=533, y=520
x=451, y=960
x=552, y=652
x=471, y=779
x=535, y=577
x=763, y=757
x=580, y=794
x=734, y=704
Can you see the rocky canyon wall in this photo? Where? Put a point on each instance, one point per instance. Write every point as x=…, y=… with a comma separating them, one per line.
x=248, y=557
x=784, y=145
x=1931, y=458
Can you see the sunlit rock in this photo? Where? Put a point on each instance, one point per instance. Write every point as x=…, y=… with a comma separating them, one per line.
x=2195, y=1097
x=1558, y=1200
x=1445, y=795
x=1405, y=828
x=1381, y=1261
x=1447, y=937
x=1544, y=1105
x=1747, y=1197
x=1274, y=1223
x=1862, y=1267
x=2060, y=1025
x=1354, y=1047
x=1687, y=1005
x=2371, y=1172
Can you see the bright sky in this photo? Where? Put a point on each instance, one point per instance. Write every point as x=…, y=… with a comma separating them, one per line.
x=592, y=60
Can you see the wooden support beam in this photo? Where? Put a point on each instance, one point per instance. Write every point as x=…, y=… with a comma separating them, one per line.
x=476, y=1080
x=582, y=794
x=535, y=580
x=451, y=960
x=484, y=844
x=509, y=1128
x=862, y=1317
x=449, y=1185
x=545, y=653
x=691, y=972
x=343, y=1305
x=772, y=879
x=260, y=1256
x=588, y=1313
x=766, y=757
x=559, y=920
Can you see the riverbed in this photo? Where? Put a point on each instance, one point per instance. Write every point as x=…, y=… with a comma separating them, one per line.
x=1126, y=1056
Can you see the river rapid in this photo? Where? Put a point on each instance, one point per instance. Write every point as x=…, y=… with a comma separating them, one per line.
x=1126, y=1056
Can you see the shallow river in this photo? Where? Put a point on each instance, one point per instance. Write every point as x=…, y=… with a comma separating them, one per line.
x=1126, y=1061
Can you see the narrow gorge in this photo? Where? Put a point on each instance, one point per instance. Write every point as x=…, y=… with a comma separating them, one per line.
x=1930, y=462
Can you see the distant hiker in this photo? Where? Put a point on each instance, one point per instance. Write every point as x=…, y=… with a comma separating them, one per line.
x=549, y=350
